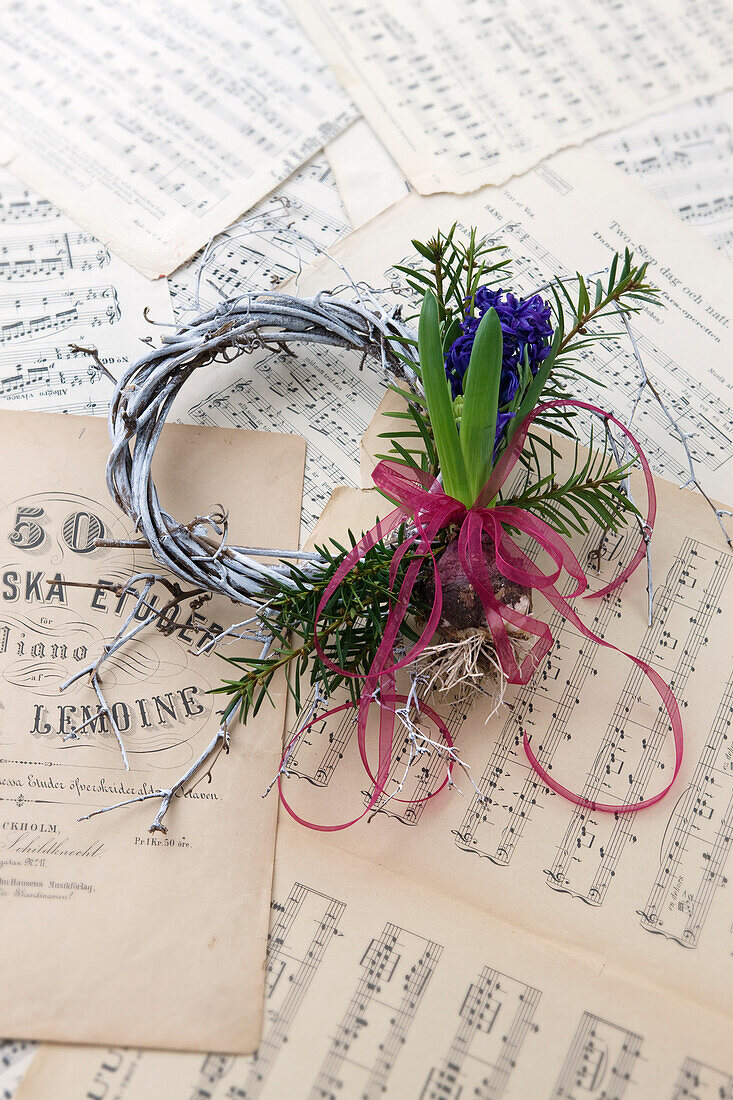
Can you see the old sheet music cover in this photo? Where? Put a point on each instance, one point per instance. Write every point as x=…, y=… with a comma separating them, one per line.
x=131, y=937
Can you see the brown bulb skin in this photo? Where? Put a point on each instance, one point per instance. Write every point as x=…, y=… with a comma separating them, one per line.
x=462, y=607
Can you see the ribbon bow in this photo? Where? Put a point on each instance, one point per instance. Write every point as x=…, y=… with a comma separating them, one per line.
x=421, y=499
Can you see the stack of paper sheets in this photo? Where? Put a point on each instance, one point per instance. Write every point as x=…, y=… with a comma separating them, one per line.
x=495, y=942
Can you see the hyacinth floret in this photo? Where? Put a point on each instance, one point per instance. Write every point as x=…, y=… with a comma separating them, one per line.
x=525, y=325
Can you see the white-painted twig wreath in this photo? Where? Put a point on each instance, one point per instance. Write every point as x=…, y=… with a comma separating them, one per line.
x=145, y=393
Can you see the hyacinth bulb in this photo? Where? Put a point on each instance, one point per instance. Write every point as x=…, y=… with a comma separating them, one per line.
x=462, y=608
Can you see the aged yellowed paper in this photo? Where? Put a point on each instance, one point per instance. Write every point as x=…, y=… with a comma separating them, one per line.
x=155, y=126
x=379, y=987
x=639, y=903
x=466, y=94
x=109, y=933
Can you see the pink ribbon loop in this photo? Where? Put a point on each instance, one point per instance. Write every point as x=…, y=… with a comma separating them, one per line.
x=421, y=501
x=388, y=701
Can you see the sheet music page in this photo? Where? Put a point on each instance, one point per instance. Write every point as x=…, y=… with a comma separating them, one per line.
x=59, y=286
x=685, y=158
x=15, y=1058
x=123, y=941
x=416, y=994
x=645, y=893
x=156, y=126
x=475, y=94
x=368, y=179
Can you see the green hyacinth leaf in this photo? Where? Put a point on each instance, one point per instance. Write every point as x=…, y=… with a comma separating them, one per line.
x=481, y=402
x=440, y=407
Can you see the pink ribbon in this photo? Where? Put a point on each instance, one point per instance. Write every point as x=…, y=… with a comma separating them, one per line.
x=385, y=761
x=421, y=499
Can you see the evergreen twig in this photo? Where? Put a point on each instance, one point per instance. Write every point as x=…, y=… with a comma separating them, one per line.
x=349, y=629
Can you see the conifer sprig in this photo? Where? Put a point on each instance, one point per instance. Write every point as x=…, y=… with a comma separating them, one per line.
x=349, y=629
x=591, y=494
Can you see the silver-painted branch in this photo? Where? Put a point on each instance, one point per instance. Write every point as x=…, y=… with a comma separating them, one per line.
x=218, y=744
x=683, y=436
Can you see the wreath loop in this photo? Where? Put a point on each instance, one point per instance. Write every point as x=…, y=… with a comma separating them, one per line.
x=197, y=551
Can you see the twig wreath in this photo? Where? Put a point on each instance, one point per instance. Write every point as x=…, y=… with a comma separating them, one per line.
x=442, y=586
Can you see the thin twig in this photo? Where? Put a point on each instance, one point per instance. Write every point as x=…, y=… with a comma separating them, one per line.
x=683, y=437
x=219, y=744
x=97, y=361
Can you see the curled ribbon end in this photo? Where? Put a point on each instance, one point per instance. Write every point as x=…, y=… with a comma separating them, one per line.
x=601, y=807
